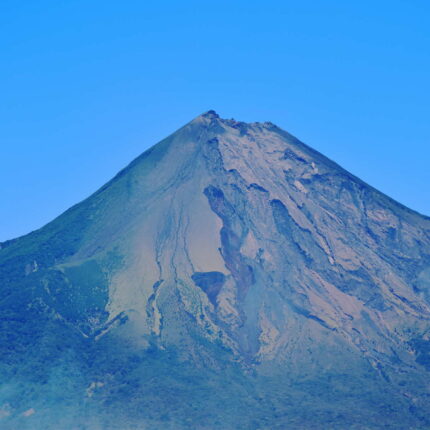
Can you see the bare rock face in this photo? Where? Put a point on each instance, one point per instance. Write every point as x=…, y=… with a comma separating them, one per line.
x=230, y=277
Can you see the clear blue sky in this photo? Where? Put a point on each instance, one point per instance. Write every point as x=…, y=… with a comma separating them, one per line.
x=85, y=86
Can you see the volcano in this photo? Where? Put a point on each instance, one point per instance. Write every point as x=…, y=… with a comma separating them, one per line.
x=230, y=277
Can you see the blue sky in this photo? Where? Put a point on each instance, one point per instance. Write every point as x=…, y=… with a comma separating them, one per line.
x=86, y=86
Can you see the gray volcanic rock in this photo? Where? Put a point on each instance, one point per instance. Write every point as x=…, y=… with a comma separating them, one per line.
x=230, y=277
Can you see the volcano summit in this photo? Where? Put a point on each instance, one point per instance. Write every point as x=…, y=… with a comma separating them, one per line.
x=230, y=277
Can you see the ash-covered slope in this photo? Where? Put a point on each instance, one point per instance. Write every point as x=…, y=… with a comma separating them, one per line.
x=229, y=278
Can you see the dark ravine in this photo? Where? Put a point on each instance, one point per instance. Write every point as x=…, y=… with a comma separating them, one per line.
x=230, y=277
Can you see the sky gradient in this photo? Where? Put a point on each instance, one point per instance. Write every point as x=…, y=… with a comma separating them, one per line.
x=87, y=86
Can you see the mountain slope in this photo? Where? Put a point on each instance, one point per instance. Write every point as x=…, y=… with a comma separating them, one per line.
x=229, y=277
